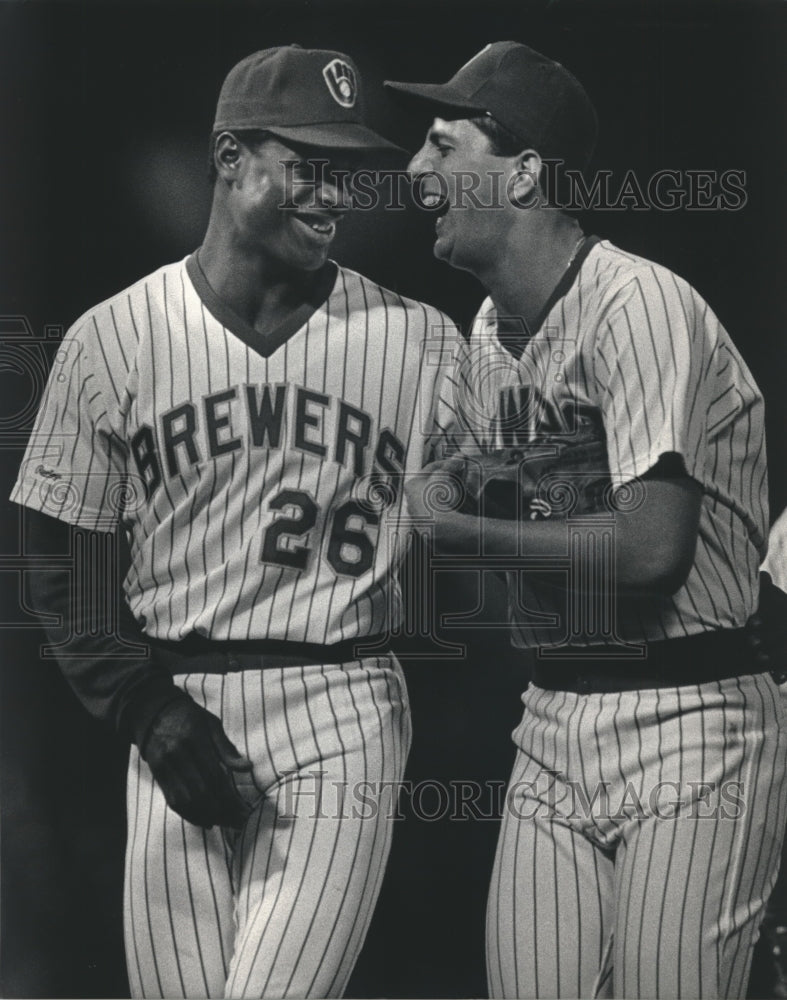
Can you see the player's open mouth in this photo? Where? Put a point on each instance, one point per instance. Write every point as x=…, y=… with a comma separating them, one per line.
x=435, y=201
x=322, y=225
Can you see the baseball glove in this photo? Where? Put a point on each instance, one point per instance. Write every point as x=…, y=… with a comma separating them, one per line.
x=553, y=477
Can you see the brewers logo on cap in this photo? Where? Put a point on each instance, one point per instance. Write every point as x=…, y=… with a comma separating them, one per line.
x=340, y=78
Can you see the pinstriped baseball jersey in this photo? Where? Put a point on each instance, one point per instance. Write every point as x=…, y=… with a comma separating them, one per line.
x=631, y=349
x=258, y=477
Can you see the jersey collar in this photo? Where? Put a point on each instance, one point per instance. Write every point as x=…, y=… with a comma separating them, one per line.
x=270, y=341
x=515, y=343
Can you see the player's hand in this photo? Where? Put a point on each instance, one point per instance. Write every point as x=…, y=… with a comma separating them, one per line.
x=192, y=759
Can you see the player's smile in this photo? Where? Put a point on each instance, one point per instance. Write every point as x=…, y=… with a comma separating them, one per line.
x=289, y=202
x=431, y=200
x=320, y=226
x=431, y=192
x=454, y=153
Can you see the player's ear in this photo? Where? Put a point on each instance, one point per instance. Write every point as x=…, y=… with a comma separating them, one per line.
x=523, y=185
x=227, y=155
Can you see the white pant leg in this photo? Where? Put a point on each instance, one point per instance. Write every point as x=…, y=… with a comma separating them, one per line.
x=282, y=908
x=310, y=862
x=178, y=901
x=550, y=912
x=691, y=889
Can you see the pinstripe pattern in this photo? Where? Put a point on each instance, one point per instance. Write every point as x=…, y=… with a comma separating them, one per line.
x=248, y=455
x=281, y=908
x=610, y=896
x=157, y=357
x=622, y=900
x=634, y=349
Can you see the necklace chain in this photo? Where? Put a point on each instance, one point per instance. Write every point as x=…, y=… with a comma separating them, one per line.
x=575, y=251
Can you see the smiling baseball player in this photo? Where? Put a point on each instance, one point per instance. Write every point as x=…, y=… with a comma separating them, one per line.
x=230, y=410
x=646, y=808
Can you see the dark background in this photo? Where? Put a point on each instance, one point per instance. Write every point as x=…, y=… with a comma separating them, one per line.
x=105, y=112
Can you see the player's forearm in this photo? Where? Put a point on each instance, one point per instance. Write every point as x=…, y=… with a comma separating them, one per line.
x=101, y=654
x=647, y=561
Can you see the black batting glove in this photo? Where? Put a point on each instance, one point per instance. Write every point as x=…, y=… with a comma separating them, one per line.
x=193, y=761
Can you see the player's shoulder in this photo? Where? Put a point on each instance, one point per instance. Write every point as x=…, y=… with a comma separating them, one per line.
x=121, y=310
x=623, y=279
x=419, y=319
x=613, y=271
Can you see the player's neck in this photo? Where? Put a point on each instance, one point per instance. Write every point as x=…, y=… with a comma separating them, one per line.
x=258, y=290
x=530, y=264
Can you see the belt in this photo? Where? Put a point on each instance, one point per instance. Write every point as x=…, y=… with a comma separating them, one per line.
x=196, y=654
x=693, y=659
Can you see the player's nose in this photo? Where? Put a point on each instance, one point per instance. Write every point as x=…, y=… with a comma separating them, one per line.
x=332, y=191
x=420, y=163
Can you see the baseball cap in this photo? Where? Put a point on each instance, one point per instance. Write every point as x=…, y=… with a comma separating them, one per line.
x=530, y=94
x=311, y=96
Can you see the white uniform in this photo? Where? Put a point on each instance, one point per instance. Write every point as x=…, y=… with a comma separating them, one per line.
x=633, y=351
x=598, y=889
x=259, y=480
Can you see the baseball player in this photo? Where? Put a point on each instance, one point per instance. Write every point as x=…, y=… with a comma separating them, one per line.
x=247, y=415
x=644, y=817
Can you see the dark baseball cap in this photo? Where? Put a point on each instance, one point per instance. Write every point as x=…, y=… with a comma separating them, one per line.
x=531, y=95
x=311, y=96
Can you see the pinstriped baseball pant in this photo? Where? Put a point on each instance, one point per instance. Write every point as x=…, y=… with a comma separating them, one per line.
x=640, y=840
x=281, y=908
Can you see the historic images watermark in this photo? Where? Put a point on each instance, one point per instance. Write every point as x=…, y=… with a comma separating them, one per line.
x=547, y=794
x=664, y=190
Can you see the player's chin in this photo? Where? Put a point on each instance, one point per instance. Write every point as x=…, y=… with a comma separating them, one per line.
x=457, y=249
x=442, y=249
x=451, y=252
x=309, y=257
x=314, y=261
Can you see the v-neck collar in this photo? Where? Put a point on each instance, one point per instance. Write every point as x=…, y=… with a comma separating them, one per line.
x=263, y=343
x=516, y=343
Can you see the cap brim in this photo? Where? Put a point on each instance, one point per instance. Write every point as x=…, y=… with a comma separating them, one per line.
x=438, y=96
x=347, y=136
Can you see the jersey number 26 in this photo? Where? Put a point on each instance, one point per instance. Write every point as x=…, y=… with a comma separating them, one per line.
x=350, y=551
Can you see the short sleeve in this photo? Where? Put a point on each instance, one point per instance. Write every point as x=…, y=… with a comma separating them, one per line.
x=651, y=364
x=74, y=467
